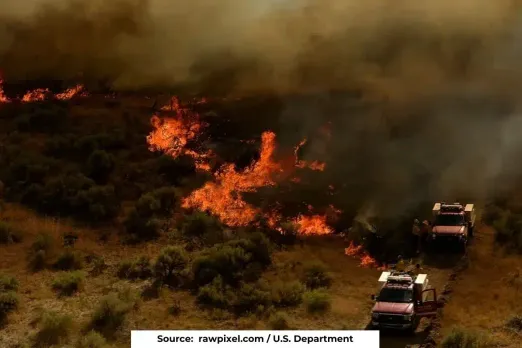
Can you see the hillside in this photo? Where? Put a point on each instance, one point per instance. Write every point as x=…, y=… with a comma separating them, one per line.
x=100, y=237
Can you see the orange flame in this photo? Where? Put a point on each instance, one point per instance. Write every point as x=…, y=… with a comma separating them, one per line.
x=315, y=165
x=223, y=197
x=171, y=135
x=3, y=97
x=315, y=224
x=71, y=93
x=366, y=260
x=38, y=94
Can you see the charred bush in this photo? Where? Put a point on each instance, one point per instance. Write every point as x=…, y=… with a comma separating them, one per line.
x=170, y=265
x=137, y=269
x=173, y=170
x=316, y=276
x=515, y=323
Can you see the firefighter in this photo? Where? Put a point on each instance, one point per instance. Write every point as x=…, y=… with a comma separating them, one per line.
x=424, y=230
x=416, y=232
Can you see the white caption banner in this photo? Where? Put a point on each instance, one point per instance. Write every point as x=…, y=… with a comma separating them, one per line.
x=253, y=339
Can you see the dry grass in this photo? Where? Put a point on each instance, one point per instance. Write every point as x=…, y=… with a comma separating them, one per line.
x=350, y=290
x=488, y=294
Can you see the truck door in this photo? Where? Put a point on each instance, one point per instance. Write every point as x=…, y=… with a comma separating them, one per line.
x=428, y=304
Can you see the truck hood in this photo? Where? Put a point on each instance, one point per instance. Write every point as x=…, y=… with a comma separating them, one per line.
x=448, y=229
x=394, y=308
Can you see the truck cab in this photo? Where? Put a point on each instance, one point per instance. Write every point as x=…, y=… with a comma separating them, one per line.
x=402, y=301
x=452, y=222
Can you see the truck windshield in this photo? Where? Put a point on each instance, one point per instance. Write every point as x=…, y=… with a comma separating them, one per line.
x=396, y=295
x=449, y=220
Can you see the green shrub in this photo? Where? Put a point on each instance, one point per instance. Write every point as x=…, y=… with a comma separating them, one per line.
x=92, y=340
x=100, y=164
x=137, y=269
x=287, y=294
x=459, y=338
x=316, y=276
x=110, y=314
x=491, y=214
x=8, y=234
x=8, y=283
x=141, y=228
x=69, y=261
x=169, y=266
x=54, y=329
x=66, y=284
x=40, y=252
x=278, y=321
x=98, y=265
x=317, y=301
x=246, y=298
x=202, y=226
x=234, y=261
x=8, y=302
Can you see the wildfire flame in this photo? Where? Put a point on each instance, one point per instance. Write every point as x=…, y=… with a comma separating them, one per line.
x=314, y=165
x=3, y=97
x=172, y=135
x=366, y=260
x=41, y=94
x=222, y=197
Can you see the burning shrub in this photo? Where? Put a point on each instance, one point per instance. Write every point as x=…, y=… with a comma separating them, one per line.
x=100, y=164
x=40, y=252
x=54, y=329
x=8, y=283
x=110, y=314
x=459, y=338
x=8, y=234
x=317, y=301
x=234, y=261
x=287, y=294
x=316, y=276
x=169, y=266
x=137, y=269
x=68, y=283
x=69, y=260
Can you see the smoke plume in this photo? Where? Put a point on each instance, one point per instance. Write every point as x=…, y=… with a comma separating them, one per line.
x=434, y=112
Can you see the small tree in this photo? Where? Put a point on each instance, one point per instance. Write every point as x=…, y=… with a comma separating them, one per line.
x=169, y=265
